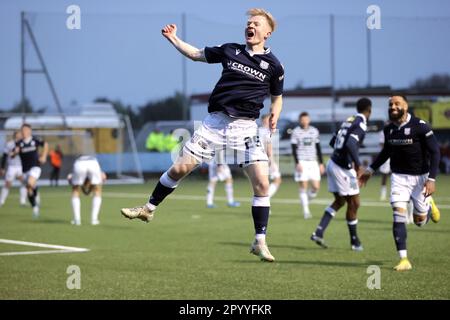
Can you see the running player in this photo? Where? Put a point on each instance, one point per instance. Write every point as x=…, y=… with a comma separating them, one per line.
x=86, y=176
x=220, y=172
x=14, y=171
x=308, y=160
x=28, y=150
x=250, y=73
x=266, y=138
x=414, y=153
x=342, y=171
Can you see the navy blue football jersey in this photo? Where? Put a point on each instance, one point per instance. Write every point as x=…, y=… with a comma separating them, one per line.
x=28, y=152
x=347, y=141
x=247, y=79
x=410, y=148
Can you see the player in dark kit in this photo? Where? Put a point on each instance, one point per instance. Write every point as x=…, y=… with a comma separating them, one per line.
x=229, y=134
x=414, y=153
x=28, y=150
x=342, y=170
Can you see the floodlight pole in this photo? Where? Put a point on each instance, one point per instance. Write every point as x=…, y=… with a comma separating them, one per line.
x=333, y=75
x=369, y=58
x=25, y=27
x=22, y=63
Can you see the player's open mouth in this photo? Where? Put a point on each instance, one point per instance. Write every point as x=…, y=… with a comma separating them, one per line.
x=250, y=33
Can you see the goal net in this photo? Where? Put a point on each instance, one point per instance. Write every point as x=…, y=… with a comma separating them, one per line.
x=113, y=145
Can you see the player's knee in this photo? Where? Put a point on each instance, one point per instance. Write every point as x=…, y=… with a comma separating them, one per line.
x=261, y=188
x=339, y=202
x=399, y=212
x=177, y=172
x=355, y=203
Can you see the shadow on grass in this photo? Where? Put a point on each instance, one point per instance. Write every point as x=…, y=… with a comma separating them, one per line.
x=319, y=263
x=247, y=245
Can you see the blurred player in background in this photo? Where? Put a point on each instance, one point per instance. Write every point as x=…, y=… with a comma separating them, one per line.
x=342, y=170
x=265, y=136
x=13, y=171
x=220, y=172
x=28, y=150
x=385, y=171
x=414, y=153
x=56, y=158
x=308, y=160
x=251, y=72
x=87, y=177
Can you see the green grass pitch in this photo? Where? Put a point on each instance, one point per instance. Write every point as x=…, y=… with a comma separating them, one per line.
x=190, y=252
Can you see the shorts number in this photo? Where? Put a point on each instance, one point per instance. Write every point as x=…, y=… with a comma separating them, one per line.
x=251, y=142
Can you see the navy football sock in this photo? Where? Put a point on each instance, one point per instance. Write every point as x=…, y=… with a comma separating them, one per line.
x=260, y=219
x=326, y=218
x=166, y=185
x=32, y=199
x=352, y=224
x=160, y=193
x=400, y=235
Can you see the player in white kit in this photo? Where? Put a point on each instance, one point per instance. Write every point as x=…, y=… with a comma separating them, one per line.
x=220, y=172
x=13, y=171
x=308, y=160
x=86, y=173
x=274, y=171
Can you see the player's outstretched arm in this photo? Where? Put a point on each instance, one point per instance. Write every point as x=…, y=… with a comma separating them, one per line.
x=275, y=110
x=170, y=33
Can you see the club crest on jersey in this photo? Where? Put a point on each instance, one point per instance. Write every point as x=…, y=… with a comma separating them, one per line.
x=264, y=65
x=407, y=131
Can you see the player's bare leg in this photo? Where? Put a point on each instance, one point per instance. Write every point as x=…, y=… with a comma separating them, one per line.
x=22, y=192
x=165, y=186
x=76, y=204
x=303, y=195
x=96, y=204
x=274, y=186
x=5, y=192
x=257, y=173
x=330, y=212
x=210, y=190
x=312, y=192
x=383, y=190
x=230, y=193
x=32, y=193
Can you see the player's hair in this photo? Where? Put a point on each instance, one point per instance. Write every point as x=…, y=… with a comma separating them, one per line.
x=303, y=114
x=399, y=94
x=266, y=14
x=26, y=125
x=363, y=104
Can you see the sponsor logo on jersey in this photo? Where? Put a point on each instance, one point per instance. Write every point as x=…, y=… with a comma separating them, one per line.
x=238, y=51
x=400, y=142
x=255, y=74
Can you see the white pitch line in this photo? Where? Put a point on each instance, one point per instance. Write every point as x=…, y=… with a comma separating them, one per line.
x=59, y=249
x=320, y=201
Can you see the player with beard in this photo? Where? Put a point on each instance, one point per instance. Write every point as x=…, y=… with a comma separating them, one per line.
x=414, y=153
